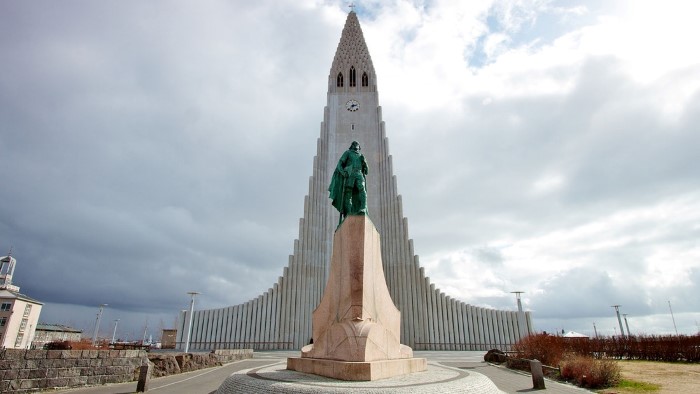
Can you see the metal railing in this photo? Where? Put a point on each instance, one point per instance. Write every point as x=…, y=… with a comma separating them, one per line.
x=460, y=346
x=211, y=345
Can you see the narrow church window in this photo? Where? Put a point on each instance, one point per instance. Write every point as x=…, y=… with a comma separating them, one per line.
x=339, y=80
x=365, y=79
x=352, y=127
x=352, y=76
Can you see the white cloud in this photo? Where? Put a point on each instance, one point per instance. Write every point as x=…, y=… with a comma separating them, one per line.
x=548, y=183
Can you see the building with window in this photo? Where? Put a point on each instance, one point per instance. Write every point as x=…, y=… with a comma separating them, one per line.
x=46, y=333
x=19, y=314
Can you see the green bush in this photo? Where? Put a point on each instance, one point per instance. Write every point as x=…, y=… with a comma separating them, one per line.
x=589, y=372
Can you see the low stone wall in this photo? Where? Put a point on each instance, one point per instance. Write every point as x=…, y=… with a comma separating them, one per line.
x=25, y=371
x=173, y=363
x=230, y=355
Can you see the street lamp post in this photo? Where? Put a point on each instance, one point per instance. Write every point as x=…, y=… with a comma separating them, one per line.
x=619, y=321
x=97, y=324
x=145, y=329
x=524, y=332
x=189, y=325
x=114, y=333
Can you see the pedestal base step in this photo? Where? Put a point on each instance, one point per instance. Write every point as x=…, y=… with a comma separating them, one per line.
x=345, y=370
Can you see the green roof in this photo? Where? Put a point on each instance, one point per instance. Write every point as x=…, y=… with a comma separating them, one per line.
x=56, y=327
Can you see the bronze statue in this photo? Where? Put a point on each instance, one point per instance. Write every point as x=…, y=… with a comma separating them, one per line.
x=347, y=189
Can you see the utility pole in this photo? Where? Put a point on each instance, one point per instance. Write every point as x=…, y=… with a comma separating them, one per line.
x=595, y=330
x=189, y=325
x=619, y=321
x=627, y=325
x=97, y=324
x=673, y=318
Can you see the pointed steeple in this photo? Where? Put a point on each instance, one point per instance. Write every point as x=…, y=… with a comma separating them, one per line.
x=352, y=62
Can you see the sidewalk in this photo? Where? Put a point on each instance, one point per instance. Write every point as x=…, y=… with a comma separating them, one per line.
x=207, y=381
x=203, y=381
x=512, y=381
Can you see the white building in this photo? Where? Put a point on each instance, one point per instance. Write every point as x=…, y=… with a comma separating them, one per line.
x=46, y=333
x=19, y=314
x=280, y=318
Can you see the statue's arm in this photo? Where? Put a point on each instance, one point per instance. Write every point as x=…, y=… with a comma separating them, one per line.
x=365, y=168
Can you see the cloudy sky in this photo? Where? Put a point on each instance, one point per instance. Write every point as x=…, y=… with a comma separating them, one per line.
x=544, y=146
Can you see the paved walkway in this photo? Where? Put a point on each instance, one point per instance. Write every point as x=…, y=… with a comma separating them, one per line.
x=511, y=381
x=207, y=381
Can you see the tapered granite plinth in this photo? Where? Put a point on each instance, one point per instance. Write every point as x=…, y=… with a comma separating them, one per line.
x=356, y=326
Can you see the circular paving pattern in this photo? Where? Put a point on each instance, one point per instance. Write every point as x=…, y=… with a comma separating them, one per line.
x=276, y=378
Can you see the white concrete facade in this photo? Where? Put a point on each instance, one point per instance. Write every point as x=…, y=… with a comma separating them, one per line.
x=281, y=317
x=19, y=316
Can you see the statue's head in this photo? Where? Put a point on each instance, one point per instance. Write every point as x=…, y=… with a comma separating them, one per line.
x=355, y=146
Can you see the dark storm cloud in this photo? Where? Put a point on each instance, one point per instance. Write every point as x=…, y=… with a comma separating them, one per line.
x=145, y=149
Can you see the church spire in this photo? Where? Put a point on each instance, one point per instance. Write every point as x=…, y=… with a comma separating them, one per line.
x=352, y=68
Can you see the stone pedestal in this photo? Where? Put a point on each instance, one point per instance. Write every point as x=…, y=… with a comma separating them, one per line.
x=356, y=325
x=537, y=375
x=144, y=377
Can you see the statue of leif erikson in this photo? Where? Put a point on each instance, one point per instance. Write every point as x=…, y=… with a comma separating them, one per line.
x=347, y=189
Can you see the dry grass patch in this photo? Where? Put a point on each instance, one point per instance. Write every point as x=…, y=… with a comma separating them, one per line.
x=644, y=376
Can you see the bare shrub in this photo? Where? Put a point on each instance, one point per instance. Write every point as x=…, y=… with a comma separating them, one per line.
x=546, y=348
x=589, y=372
x=86, y=344
x=672, y=348
x=591, y=362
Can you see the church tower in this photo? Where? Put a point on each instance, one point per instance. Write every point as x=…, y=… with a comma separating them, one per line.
x=281, y=317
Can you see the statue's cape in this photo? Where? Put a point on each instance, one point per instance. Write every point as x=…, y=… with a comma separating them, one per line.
x=336, y=190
